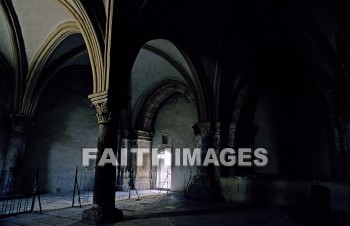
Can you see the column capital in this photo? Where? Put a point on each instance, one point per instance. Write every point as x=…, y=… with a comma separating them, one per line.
x=103, y=112
x=336, y=120
x=125, y=134
x=142, y=135
x=100, y=102
x=232, y=129
x=20, y=122
x=203, y=129
x=231, y=134
x=217, y=128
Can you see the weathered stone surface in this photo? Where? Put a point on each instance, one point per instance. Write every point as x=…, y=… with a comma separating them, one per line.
x=206, y=185
x=98, y=216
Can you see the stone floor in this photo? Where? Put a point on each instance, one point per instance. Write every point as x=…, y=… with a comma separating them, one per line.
x=65, y=199
x=153, y=208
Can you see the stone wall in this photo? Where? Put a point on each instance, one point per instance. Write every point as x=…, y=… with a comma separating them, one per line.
x=175, y=119
x=65, y=124
x=286, y=192
x=4, y=125
x=150, y=69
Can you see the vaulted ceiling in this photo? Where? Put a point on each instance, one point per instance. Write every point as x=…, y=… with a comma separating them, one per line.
x=222, y=39
x=40, y=38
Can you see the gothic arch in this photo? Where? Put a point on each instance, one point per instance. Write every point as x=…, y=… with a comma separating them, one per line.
x=6, y=71
x=53, y=74
x=247, y=94
x=195, y=79
x=245, y=85
x=20, y=57
x=35, y=75
x=150, y=101
x=6, y=81
x=202, y=89
x=92, y=28
x=53, y=71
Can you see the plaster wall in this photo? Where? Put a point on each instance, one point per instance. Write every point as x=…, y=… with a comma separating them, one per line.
x=37, y=24
x=148, y=70
x=175, y=119
x=65, y=124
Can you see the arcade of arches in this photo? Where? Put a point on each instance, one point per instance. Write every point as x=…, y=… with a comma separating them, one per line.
x=125, y=74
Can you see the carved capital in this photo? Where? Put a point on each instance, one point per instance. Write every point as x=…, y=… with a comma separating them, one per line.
x=336, y=121
x=125, y=134
x=142, y=135
x=103, y=113
x=100, y=103
x=217, y=129
x=231, y=135
x=19, y=123
x=204, y=128
x=232, y=129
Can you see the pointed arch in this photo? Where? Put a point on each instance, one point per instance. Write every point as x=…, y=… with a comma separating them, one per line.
x=94, y=39
x=194, y=77
x=20, y=57
x=40, y=59
x=151, y=100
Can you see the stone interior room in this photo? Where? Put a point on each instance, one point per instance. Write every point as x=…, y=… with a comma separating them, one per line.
x=114, y=74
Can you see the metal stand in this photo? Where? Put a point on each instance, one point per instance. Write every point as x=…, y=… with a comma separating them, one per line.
x=76, y=188
x=131, y=183
x=167, y=181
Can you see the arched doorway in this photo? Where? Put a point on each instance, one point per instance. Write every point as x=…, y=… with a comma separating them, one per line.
x=164, y=169
x=165, y=102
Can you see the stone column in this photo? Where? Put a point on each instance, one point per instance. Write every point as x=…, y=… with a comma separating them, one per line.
x=204, y=185
x=339, y=128
x=142, y=175
x=16, y=141
x=218, y=146
x=347, y=155
x=123, y=152
x=231, y=143
x=103, y=210
x=343, y=47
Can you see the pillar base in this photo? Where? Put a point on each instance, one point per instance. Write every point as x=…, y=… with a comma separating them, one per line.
x=96, y=216
x=204, y=188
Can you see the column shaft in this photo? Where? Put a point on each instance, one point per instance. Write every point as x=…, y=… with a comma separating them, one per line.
x=143, y=175
x=103, y=210
x=205, y=185
x=123, y=153
x=16, y=141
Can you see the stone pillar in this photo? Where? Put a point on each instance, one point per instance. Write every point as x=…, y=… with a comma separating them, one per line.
x=123, y=152
x=231, y=143
x=142, y=175
x=339, y=129
x=347, y=155
x=205, y=185
x=103, y=210
x=343, y=47
x=218, y=147
x=16, y=141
